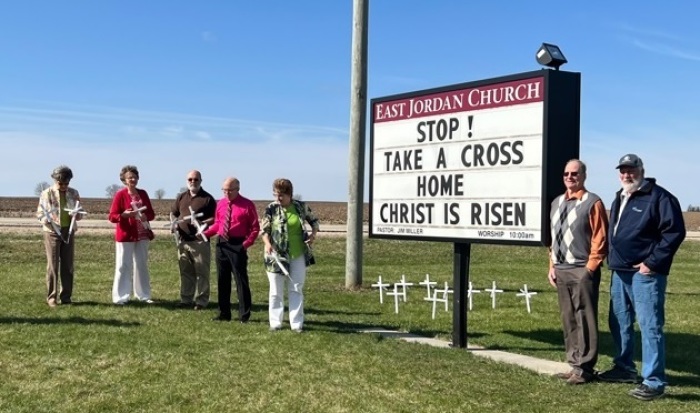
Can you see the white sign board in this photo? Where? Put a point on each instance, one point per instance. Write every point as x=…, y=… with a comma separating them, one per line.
x=460, y=164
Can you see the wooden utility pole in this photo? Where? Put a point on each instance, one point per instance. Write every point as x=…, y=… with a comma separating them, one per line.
x=356, y=165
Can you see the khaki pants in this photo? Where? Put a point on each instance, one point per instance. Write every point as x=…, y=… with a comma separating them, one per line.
x=577, y=291
x=59, y=262
x=194, y=259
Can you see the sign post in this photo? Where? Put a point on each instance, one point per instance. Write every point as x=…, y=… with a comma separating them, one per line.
x=476, y=162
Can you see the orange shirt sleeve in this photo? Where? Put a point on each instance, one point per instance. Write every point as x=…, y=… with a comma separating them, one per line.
x=599, y=236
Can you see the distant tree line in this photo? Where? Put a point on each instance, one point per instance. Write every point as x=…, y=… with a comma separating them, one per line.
x=109, y=191
x=693, y=208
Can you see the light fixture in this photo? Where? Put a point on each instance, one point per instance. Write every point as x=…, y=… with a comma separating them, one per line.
x=550, y=55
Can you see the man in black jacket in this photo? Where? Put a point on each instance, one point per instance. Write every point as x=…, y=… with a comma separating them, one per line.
x=646, y=230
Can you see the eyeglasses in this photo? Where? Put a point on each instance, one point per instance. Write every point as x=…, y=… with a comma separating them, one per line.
x=230, y=190
x=570, y=174
x=193, y=179
x=62, y=183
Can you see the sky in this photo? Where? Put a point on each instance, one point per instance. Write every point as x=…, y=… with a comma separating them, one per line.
x=261, y=89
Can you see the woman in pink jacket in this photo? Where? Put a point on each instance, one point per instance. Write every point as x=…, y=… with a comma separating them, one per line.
x=131, y=210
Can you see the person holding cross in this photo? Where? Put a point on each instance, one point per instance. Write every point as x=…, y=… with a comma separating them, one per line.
x=287, y=253
x=194, y=255
x=53, y=213
x=237, y=226
x=131, y=210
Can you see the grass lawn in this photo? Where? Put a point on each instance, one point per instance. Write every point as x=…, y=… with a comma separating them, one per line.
x=96, y=357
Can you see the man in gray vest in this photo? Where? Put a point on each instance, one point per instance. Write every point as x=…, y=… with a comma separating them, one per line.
x=579, y=225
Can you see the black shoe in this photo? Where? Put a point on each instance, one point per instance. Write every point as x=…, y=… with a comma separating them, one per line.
x=185, y=305
x=617, y=375
x=198, y=307
x=221, y=318
x=646, y=393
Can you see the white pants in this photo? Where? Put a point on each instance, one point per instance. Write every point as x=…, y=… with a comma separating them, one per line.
x=131, y=262
x=297, y=273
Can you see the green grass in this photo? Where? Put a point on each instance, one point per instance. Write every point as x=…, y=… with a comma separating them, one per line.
x=96, y=357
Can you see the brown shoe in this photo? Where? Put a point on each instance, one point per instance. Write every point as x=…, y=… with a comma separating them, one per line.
x=564, y=376
x=580, y=379
x=52, y=303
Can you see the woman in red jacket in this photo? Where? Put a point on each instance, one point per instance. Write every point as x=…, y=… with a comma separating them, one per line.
x=131, y=210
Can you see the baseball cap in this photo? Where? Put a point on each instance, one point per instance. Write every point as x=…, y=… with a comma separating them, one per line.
x=630, y=160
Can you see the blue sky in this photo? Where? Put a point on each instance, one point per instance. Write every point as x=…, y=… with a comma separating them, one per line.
x=261, y=89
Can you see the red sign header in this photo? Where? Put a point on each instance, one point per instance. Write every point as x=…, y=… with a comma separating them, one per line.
x=482, y=97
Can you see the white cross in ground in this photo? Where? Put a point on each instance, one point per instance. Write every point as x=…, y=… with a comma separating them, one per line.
x=428, y=284
x=445, y=298
x=403, y=284
x=470, y=293
x=434, y=299
x=446, y=291
x=527, y=294
x=492, y=292
x=382, y=286
x=396, y=295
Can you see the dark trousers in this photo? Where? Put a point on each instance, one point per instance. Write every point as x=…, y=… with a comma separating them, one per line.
x=578, y=292
x=59, y=262
x=232, y=259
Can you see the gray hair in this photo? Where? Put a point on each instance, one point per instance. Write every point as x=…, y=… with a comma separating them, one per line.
x=62, y=173
x=581, y=165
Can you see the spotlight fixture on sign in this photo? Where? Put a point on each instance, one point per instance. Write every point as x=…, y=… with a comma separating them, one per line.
x=550, y=55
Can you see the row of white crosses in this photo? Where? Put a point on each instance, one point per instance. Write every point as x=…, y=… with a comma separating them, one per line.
x=436, y=295
x=72, y=212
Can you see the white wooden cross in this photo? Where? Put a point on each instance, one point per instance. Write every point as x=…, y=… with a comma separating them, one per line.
x=428, y=284
x=141, y=217
x=470, y=294
x=492, y=292
x=403, y=284
x=172, y=226
x=49, y=214
x=445, y=298
x=527, y=294
x=382, y=286
x=396, y=295
x=434, y=299
x=74, y=212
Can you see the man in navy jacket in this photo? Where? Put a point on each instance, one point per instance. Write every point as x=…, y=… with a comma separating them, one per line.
x=646, y=230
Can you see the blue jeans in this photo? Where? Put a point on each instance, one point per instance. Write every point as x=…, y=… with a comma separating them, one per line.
x=635, y=294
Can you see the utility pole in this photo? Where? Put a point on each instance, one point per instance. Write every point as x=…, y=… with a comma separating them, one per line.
x=356, y=165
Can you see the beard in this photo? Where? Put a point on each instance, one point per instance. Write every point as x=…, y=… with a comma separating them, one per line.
x=631, y=185
x=193, y=187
